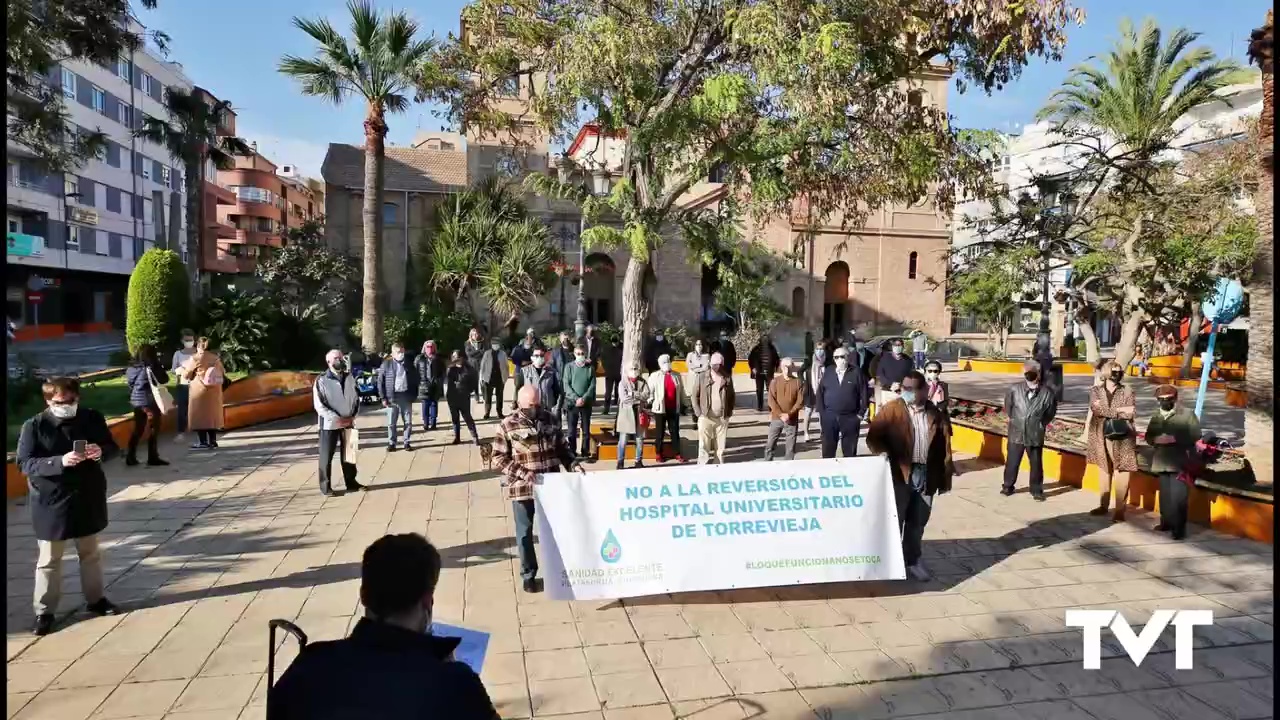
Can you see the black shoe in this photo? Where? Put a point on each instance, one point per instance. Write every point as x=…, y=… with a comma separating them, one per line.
x=213, y=445
x=486, y=416
x=43, y=625
x=408, y=447
x=456, y=441
x=1039, y=497
x=157, y=462
x=201, y=446
x=618, y=466
x=1179, y=536
x=638, y=466
x=327, y=492
x=131, y=461
x=1100, y=511
x=1006, y=491
x=531, y=585
x=103, y=607
x=354, y=486
x=1161, y=527
x=392, y=447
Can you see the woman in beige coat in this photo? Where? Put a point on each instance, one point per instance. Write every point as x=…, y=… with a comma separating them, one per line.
x=204, y=409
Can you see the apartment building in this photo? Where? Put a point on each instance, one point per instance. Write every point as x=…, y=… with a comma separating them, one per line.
x=265, y=204
x=73, y=239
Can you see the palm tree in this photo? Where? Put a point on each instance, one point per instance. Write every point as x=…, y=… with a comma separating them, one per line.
x=486, y=244
x=380, y=64
x=192, y=133
x=1258, y=414
x=1145, y=84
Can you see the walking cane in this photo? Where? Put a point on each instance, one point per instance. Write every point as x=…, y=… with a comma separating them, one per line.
x=293, y=630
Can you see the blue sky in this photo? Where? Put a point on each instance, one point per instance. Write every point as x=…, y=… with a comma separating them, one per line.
x=232, y=48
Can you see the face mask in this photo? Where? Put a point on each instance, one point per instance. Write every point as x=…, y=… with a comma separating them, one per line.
x=724, y=336
x=529, y=412
x=64, y=412
x=1167, y=404
x=496, y=346
x=338, y=366
x=1117, y=376
x=658, y=338
x=188, y=344
x=842, y=363
x=1031, y=376
x=633, y=374
x=399, y=356
x=580, y=359
x=539, y=361
x=908, y=396
x=897, y=350
x=666, y=366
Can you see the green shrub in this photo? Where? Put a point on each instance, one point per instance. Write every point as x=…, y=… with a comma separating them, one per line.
x=237, y=326
x=159, y=301
x=608, y=332
x=429, y=322
x=296, y=342
x=679, y=337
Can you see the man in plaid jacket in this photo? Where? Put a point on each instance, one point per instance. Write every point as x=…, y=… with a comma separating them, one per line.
x=528, y=442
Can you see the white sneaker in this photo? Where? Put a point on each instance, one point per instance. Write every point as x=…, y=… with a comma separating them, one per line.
x=918, y=573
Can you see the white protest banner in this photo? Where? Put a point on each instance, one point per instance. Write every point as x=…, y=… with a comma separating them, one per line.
x=700, y=527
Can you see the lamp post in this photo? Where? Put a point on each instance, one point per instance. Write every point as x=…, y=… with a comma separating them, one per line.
x=599, y=187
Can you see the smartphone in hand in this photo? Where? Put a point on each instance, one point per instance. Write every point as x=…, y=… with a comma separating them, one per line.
x=80, y=447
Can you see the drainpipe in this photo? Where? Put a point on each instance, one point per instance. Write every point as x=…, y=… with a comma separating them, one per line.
x=133, y=147
x=407, y=279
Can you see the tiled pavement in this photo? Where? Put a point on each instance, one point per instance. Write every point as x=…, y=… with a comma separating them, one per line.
x=205, y=553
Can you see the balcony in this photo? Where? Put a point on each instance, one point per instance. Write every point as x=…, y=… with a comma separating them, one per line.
x=257, y=237
x=223, y=195
x=221, y=229
x=232, y=264
x=258, y=210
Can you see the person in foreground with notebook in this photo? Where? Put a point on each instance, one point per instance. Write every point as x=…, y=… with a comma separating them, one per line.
x=390, y=667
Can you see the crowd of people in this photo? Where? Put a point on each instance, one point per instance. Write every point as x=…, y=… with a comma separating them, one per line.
x=62, y=449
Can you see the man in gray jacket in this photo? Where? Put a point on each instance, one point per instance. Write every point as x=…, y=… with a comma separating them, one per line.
x=1030, y=406
x=337, y=402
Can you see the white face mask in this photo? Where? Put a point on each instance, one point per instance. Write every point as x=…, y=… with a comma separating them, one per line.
x=64, y=412
x=539, y=361
x=188, y=344
x=658, y=338
x=633, y=374
x=398, y=355
x=666, y=366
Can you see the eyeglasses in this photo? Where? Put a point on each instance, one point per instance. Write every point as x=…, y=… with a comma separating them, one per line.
x=841, y=355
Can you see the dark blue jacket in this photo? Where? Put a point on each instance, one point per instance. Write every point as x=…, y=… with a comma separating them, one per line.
x=140, y=385
x=381, y=671
x=842, y=398
x=386, y=380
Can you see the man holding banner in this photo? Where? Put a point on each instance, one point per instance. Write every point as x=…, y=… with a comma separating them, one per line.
x=527, y=443
x=912, y=432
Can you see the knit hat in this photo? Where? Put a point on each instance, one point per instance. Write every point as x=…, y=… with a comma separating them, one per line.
x=1166, y=391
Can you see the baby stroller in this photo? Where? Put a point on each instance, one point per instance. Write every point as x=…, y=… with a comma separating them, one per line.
x=365, y=370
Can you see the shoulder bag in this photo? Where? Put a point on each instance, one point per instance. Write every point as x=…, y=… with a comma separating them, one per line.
x=1115, y=428
x=160, y=394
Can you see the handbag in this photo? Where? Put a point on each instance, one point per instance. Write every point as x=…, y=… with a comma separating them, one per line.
x=1116, y=428
x=160, y=394
x=212, y=376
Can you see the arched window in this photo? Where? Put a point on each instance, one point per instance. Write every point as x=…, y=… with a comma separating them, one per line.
x=390, y=213
x=912, y=260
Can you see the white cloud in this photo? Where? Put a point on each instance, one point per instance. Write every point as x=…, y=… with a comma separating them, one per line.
x=306, y=155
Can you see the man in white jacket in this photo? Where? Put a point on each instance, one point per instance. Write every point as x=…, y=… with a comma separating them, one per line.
x=336, y=402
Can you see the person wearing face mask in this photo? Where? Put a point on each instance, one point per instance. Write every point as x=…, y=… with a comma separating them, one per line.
x=724, y=345
x=812, y=377
x=911, y=432
x=430, y=367
x=611, y=362
x=697, y=362
x=633, y=406
x=542, y=375
x=713, y=406
x=841, y=401
x=655, y=349
x=866, y=360
x=528, y=443
x=1173, y=431
x=459, y=384
x=522, y=356
x=61, y=451
x=562, y=355
x=474, y=348
x=786, y=398
x=205, y=376
x=579, y=382
x=398, y=383
x=919, y=347
x=591, y=341
x=337, y=402
x=937, y=391
x=668, y=400
x=763, y=363
x=1112, y=445
x=391, y=665
x=493, y=377
x=890, y=369
x=182, y=395
x=1030, y=406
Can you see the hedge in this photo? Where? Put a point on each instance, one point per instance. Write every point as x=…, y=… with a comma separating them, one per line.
x=159, y=300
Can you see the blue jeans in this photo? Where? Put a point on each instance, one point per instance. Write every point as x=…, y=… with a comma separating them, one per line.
x=920, y=361
x=523, y=512
x=429, y=410
x=914, y=509
x=401, y=408
x=181, y=398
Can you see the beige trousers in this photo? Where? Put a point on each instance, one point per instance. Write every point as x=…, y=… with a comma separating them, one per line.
x=1105, y=475
x=712, y=434
x=49, y=572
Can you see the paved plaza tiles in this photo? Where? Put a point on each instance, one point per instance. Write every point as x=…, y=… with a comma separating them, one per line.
x=202, y=554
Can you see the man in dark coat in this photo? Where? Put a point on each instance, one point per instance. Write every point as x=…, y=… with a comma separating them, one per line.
x=398, y=388
x=763, y=362
x=725, y=347
x=61, y=452
x=391, y=667
x=654, y=349
x=611, y=360
x=522, y=356
x=562, y=354
x=841, y=400
x=1030, y=407
x=594, y=345
x=430, y=367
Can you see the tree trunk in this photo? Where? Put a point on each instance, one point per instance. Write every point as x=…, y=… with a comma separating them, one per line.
x=635, y=312
x=1129, y=333
x=1193, y=337
x=1092, y=353
x=195, y=222
x=1259, y=385
x=375, y=133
